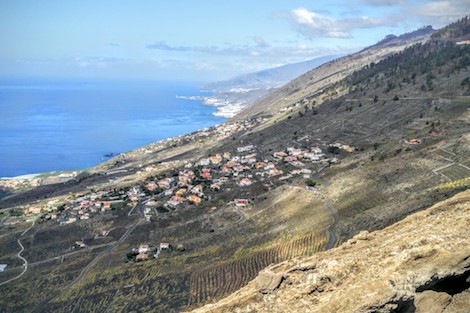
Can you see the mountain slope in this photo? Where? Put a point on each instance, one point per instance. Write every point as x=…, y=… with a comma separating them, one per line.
x=421, y=263
x=270, y=78
x=309, y=88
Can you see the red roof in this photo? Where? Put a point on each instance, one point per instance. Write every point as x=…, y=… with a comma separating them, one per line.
x=142, y=256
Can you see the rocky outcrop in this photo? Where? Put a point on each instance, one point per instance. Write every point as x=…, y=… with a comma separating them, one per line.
x=431, y=301
x=267, y=281
x=420, y=264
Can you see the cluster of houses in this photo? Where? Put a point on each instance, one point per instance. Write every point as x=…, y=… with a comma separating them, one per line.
x=217, y=132
x=145, y=252
x=198, y=180
x=194, y=183
x=82, y=207
x=18, y=184
x=225, y=130
x=30, y=181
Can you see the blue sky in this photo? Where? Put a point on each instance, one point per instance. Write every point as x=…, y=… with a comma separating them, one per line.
x=196, y=40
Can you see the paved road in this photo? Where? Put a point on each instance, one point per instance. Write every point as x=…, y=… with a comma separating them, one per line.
x=332, y=228
x=87, y=249
x=23, y=233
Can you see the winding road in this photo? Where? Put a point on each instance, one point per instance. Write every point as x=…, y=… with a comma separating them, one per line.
x=25, y=265
x=332, y=228
x=25, y=262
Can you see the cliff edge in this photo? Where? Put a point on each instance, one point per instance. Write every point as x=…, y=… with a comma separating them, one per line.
x=420, y=264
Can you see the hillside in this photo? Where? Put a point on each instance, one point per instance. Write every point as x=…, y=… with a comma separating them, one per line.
x=389, y=140
x=420, y=264
x=310, y=86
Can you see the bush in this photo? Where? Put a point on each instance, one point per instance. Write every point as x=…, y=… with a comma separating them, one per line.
x=310, y=182
x=333, y=149
x=16, y=212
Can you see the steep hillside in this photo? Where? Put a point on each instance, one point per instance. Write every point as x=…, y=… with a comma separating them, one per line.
x=421, y=264
x=310, y=86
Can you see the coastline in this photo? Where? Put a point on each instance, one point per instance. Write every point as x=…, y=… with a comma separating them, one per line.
x=25, y=176
x=229, y=103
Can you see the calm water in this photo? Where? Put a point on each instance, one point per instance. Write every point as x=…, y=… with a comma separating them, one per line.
x=48, y=125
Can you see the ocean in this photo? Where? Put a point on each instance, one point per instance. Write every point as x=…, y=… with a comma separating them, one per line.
x=48, y=125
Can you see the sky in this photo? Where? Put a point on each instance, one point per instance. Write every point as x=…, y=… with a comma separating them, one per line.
x=197, y=40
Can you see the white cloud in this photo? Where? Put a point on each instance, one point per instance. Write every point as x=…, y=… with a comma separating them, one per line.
x=257, y=48
x=441, y=13
x=314, y=25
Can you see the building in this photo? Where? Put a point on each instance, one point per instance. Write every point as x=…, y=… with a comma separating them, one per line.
x=144, y=248
x=413, y=141
x=165, y=246
x=245, y=182
x=198, y=189
x=175, y=200
x=181, y=191
x=80, y=243
x=194, y=199
x=246, y=148
x=34, y=210
x=241, y=202
x=142, y=257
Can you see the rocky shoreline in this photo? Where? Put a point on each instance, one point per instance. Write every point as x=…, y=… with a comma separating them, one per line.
x=229, y=102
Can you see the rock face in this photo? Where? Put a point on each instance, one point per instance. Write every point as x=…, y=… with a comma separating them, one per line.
x=430, y=301
x=420, y=264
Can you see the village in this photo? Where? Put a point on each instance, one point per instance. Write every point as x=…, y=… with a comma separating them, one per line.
x=25, y=182
x=194, y=183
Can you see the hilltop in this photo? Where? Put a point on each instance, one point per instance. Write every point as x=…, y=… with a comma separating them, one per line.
x=302, y=174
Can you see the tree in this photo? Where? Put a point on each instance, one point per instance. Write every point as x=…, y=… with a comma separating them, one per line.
x=333, y=149
x=310, y=182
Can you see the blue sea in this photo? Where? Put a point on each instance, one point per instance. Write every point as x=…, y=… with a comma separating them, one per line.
x=54, y=125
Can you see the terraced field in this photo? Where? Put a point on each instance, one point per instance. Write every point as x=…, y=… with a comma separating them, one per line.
x=360, y=202
x=455, y=172
x=218, y=281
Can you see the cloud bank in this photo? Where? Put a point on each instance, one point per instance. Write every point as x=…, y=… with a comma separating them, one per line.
x=314, y=25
